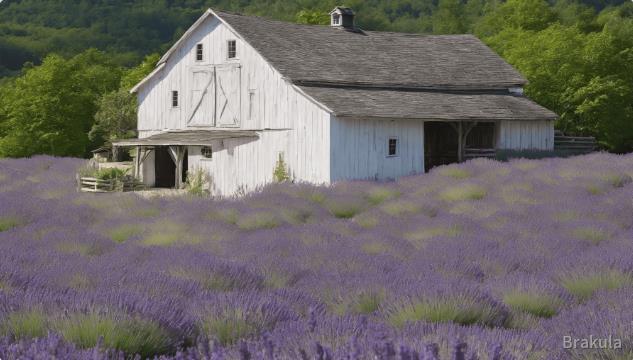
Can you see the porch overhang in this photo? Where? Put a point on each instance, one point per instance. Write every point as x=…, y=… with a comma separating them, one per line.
x=187, y=138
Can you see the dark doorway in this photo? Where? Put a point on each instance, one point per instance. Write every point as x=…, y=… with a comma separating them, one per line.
x=165, y=168
x=481, y=136
x=185, y=166
x=440, y=144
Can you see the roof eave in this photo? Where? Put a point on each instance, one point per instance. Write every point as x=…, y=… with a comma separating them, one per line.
x=441, y=118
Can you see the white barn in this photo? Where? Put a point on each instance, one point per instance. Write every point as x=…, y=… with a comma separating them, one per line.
x=237, y=92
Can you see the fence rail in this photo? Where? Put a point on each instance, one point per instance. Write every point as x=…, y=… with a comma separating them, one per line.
x=575, y=144
x=90, y=184
x=470, y=153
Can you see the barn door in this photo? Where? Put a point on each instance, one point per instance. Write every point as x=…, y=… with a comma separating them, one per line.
x=228, y=95
x=202, y=106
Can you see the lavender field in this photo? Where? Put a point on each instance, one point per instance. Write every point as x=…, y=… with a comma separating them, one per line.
x=484, y=260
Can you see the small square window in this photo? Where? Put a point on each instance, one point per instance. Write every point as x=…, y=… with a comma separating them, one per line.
x=393, y=147
x=336, y=19
x=207, y=152
x=174, y=99
x=232, y=47
x=199, y=52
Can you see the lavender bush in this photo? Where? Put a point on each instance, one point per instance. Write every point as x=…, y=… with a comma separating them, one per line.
x=483, y=260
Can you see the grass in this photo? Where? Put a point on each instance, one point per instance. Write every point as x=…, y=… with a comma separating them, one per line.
x=401, y=207
x=454, y=172
x=168, y=234
x=463, y=192
x=463, y=312
x=8, y=223
x=83, y=249
x=378, y=195
x=584, y=286
x=343, y=209
x=25, y=325
x=618, y=180
x=366, y=221
x=419, y=237
x=230, y=326
x=592, y=235
x=258, y=220
x=376, y=248
x=533, y=303
x=131, y=335
x=366, y=303
x=123, y=233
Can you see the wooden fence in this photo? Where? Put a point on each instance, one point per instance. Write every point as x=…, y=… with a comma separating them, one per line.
x=575, y=144
x=90, y=184
x=470, y=153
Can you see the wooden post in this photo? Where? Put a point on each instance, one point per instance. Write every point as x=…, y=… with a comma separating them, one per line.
x=460, y=142
x=137, y=162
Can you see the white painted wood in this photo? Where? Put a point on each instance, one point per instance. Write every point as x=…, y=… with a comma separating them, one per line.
x=359, y=149
x=245, y=92
x=248, y=93
x=524, y=135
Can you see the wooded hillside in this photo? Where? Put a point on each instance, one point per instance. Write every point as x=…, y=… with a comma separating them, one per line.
x=577, y=55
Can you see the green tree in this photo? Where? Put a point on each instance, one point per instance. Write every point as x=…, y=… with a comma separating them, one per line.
x=447, y=19
x=313, y=17
x=116, y=117
x=135, y=75
x=50, y=109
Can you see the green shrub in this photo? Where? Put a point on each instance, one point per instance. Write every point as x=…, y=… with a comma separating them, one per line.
x=130, y=335
x=461, y=311
x=229, y=327
x=534, y=303
x=198, y=183
x=110, y=174
x=584, y=286
x=25, y=325
x=280, y=172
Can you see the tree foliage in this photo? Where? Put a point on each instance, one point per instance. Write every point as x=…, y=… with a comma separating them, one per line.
x=50, y=108
x=583, y=70
x=576, y=54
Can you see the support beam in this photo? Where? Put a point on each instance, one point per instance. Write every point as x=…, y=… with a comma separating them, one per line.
x=460, y=142
x=178, y=155
x=137, y=162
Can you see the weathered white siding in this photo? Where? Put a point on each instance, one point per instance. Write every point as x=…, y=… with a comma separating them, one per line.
x=523, y=135
x=359, y=148
x=262, y=100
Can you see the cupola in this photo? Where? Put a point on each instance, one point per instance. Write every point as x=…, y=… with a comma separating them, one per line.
x=342, y=17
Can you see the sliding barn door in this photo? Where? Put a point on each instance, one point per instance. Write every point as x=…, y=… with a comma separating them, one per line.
x=202, y=99
x=228, y=95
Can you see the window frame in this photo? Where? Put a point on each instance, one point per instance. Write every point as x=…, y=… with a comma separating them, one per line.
x=336, y=19
x=199, y=52
x=202, y=152
x=175, y=99
x=397, y=146
x=232, y=42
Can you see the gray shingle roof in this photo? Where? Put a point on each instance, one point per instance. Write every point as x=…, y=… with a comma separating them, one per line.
x=322, y=54
x=427, y=105
x=384, y=74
